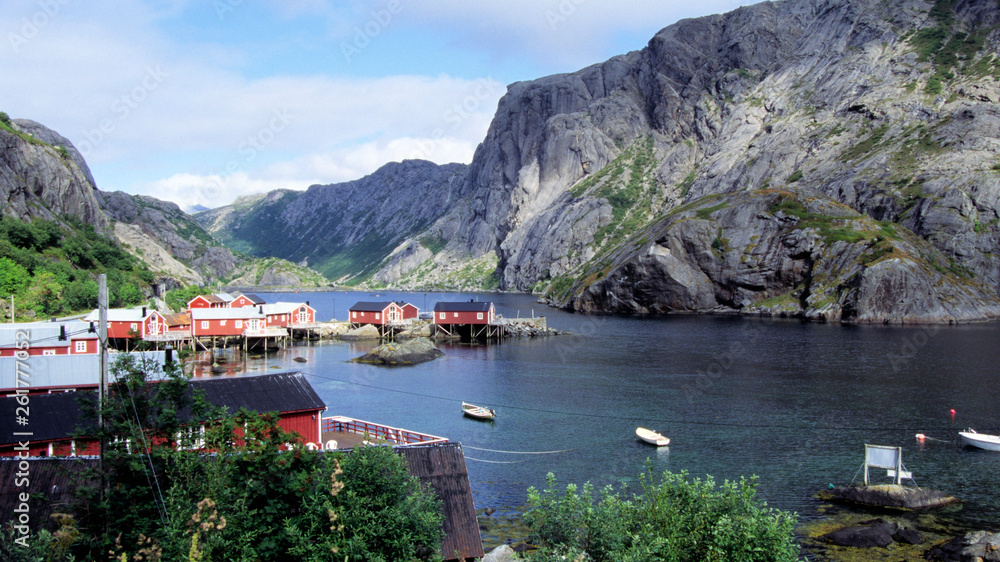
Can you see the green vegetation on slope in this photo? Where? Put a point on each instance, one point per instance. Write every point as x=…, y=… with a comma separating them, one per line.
x=51, y=268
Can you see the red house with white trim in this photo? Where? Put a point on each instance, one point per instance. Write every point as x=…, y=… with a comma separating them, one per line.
x=409, y=310
x=243, y=300
x=476, y=313
x=127, y=322
x=289, y=314
x=180, y=322
x=218, y=300
x=55, y=417
x=376, y=313
x=223, y=322
x=48, y=338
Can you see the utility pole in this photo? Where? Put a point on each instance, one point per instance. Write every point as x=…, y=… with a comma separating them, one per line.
x=12, y=309
x=102, y=338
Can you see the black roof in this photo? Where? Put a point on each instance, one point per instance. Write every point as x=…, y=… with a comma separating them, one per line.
x=462, y=306
x=254, y=298
x=53, y=416
x=371, y=306
x=56, y=416
x=275, y=392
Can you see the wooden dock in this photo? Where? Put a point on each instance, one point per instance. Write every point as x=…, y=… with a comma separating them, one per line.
x=347, y=433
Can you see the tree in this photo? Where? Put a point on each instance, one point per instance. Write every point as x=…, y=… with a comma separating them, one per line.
x=13, y=277
x=674, y=519
x=253, y=498
x=43, y=296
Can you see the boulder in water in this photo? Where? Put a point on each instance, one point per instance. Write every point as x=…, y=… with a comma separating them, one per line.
x=418, y=350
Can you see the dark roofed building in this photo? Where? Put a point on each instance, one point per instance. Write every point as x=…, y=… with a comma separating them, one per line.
x=376, y=313
x=246, y=300
x=470, y=312
x=55, y=417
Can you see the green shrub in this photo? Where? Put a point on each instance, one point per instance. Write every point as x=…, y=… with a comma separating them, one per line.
x=674, y=519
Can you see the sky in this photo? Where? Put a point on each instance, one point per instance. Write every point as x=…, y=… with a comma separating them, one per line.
x=202, y=101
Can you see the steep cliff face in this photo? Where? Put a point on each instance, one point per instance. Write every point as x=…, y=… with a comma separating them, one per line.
x=42, y=175
x=342, y=230
x=889, y=109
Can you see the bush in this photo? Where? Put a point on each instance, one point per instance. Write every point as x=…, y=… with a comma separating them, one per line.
x=674, y=519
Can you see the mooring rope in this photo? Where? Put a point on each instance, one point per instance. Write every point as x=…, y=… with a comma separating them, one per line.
x=492, y=462
x=518, y=452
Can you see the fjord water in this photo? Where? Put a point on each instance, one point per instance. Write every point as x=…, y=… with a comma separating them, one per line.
x=791, y=402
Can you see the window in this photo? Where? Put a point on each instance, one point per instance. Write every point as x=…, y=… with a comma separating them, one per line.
x=191, y=438
x=80, y=347
x=455, y=314
x=378, y=315
x=133, y=327
x=354, y=314
x=48, y=352
x=442, y=315
x=479, y=316
x=204, y=324
x=239, y=324
x=222, y=323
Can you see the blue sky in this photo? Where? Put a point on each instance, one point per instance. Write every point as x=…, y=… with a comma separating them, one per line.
x=199, y=102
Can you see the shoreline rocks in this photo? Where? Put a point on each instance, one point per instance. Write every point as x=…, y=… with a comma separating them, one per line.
x=412, y=352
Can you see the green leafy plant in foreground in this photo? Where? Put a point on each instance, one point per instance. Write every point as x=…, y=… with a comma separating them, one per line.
x=675, y=518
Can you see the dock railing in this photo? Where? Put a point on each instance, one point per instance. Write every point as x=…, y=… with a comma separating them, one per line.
x=399, y=436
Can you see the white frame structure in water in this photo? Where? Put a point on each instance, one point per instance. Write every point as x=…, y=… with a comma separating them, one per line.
x=890, y=458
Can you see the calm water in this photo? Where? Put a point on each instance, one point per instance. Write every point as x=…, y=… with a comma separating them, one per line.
x=791, y=402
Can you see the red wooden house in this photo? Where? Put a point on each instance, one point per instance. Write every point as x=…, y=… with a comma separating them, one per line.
x=243, y=300
x=475, y=313
x=219, y=300
x=409, y=310
x=289, y=314
x=128, y=322
x=376, y=313
x=48, y=338
x=226, y=322
x=55, y=417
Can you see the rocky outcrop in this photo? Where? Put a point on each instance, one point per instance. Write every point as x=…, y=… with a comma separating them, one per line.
x=410, y=352
x=978, y=546
x=42, y=175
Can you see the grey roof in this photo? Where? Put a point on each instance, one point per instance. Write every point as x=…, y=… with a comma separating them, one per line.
x=122, y=314
x=44, y=334
x=462, y=306
x=61, y=371
x=368, y=306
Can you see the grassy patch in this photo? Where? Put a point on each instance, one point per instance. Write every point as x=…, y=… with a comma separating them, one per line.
x=434, y=243
x=865, y=146
x=706, y=214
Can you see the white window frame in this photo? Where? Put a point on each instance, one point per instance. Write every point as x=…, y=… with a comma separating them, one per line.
x=81, y=346
x=442, y=315
x=222, y=322
x=48, y=352
x=454, y=315
x=196, y=436
x=239, y=324
x=378, y=315
x=479, y=316
x=204, y=324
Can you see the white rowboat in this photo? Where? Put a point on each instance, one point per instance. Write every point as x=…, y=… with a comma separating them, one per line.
x=981, y=440
x=478, y=412
x=651, y=437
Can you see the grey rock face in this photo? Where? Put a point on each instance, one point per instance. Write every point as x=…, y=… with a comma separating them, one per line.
x=37, y=181
x=341, y=229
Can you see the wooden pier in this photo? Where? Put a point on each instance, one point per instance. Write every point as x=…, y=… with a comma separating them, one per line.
x=342, y=432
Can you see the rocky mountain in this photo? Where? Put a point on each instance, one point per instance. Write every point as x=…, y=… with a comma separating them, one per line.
x=830, y=159
x=43, y=175
x=341, y=230
x=835, y=159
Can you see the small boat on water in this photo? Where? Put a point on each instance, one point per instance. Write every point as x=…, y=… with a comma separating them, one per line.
x=981, y=440
x=651, y=437
x=478, y=412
